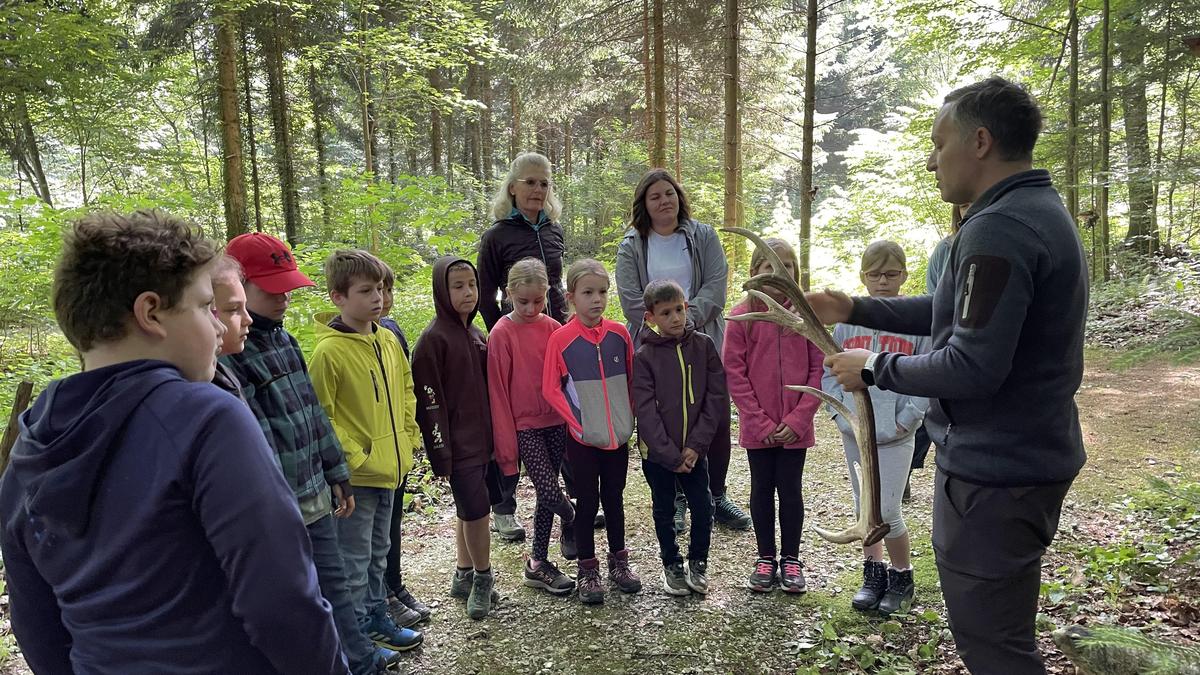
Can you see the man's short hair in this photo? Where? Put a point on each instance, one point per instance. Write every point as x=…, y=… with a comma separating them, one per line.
x=662, y=290
x=109, y=259
x=1005, y=109
x=344, y=267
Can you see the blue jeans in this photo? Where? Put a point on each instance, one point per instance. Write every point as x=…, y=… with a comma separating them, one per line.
x=331, y=574
x=366, y=537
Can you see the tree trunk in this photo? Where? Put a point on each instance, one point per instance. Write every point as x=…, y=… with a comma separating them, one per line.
x=272, y=48
x=1162, y=107
x=319, y=111
x=1188, y=83
x=1073, y=116
x=678, y=131
x=1142, y=236
x=368, y=124
x=648, y=80
x=435, y=126
x=660, y=94
x=568, y=141
x=231, y=133
x=514, y=141
x=474, y=135
x=730, y=166
x=487, y=145
x=807, y=191
x=203, y=99
x=250, y=131
x=1105, y=131
x=30, y=157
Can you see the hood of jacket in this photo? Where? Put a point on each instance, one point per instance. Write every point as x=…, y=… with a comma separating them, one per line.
x=65, y=438
x=651, y=336
x=329, y=326
x=441, y=289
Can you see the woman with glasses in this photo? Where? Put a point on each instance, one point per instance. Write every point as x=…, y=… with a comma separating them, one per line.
x=664, y=242
x=525, y=212
x=897, y=417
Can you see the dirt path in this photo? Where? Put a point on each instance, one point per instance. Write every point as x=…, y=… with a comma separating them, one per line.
x=1145, y=420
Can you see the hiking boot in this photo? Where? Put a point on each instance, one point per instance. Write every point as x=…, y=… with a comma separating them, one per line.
x=384, y=658
x=505, y=525
x=697, y=576
x=762, y=579
x=591, y=592
x=680, y=514
x=566, y=542
x=402, y=614
x=900, y=592
x=598, y=521
x=791, y=575
x=460, y=583
x=412, y=603
x=875, y=583
x=384, y=632
x=620, y=574
x=546, y=576
x=479, y=602
x=726, y=513
x=675, y=579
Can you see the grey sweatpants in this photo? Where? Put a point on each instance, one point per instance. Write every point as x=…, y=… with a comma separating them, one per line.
x=894, y=463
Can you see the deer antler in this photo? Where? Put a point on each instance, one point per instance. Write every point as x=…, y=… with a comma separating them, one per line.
x=869, y=526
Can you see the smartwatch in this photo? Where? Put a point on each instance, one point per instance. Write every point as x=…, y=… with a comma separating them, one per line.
x=868, y=370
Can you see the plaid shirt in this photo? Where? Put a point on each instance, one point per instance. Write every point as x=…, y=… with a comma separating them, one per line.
x=276, y=384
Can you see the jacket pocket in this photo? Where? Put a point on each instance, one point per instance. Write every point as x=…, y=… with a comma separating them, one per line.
x=381, y=467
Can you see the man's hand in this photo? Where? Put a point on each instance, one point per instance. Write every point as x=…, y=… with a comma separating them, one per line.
x=847, y=367
x=783, y=435
x=830, y=306
x=690, y=457
x=344, y=502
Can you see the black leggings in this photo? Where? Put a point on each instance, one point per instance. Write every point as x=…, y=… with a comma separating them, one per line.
x=777, y=470
x=599, y=479
x=718, y=455
x=392, y=576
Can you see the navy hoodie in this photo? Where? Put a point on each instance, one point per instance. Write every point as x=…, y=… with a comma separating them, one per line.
x=147, y=529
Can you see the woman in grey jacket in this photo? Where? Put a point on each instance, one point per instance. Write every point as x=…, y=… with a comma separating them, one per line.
x=663, y=242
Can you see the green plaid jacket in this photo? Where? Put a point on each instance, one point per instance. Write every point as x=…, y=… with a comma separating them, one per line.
x=275, y=382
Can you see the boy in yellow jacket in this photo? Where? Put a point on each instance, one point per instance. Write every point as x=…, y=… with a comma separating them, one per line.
x=365, y=385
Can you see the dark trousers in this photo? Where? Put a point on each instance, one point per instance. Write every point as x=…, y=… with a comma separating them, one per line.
x=335, y=587
x=599, y=479
x=718, y=456
x=777, y=471
x=392, y=576
x=921, y=448
x=507, y=505
x=662, y=482
x=988, y=542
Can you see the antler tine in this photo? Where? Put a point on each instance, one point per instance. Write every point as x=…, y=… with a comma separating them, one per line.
x=776, y=313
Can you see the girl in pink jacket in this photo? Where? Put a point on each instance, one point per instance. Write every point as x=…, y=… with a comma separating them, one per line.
x=776, y=425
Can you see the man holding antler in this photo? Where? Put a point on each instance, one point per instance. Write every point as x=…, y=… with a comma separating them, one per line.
x=1007, y=325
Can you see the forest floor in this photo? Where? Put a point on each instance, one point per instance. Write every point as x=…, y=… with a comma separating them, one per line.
x=1138, y=422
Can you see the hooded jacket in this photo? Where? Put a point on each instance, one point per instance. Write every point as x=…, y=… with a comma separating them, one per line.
x=147, y=529
x=1007, y=323
x=365, y=385
x=679, y=394
x=587, y=380
x=760, y=358
x=897, y=416
x=450, y=373
x=508, y=241
x=706, y=304
x=516, y=355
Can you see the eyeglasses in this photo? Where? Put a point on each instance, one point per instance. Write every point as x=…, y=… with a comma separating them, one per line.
x=891, y=275
x=536, y=183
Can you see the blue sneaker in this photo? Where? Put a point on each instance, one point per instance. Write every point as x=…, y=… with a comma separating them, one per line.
x=386, y=658
x=385, y=633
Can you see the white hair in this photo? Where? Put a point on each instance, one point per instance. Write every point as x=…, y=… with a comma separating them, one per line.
x=502, y=201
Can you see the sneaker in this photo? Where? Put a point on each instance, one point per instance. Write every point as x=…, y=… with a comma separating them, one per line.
x=384, y=632
x=460, y=583
x=726, y=513
x=875, y=583
x=506, y=526
x=384, y=658
x=402, y=614
x=791, y=575
x=412, y=603
x=675, y=579
x=479, y=603
x=548, y=578
x=598, y=521
x=680, y=514
x=697, y=576
x=566, y=542
x=621, y=574
x=762, y=579
x=591, y=592
x=900, y=592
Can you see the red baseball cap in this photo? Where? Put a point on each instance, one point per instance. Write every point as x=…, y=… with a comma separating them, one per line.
x=268, y=262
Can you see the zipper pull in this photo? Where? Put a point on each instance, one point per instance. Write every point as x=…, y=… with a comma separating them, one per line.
x=967, y=294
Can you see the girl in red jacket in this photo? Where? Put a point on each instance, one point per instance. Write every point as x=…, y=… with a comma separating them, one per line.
x=776, y=425
x=524, y=426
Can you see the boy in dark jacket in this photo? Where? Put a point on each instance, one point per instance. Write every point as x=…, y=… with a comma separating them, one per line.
x=678, y=392
x=146, y=525
x=450, y=373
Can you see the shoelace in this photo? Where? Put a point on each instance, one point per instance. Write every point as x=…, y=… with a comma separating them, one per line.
x=765, y=568
x=791, y=568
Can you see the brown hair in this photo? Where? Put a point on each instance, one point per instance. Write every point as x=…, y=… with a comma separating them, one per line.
x=343, y=267
x=109, y=259
x=782, y=249
x=879, y=252
x=581, y=268
x=659, y=291
x=527, y=272
x=227, y=270
x=389, y=277
x=640, y=218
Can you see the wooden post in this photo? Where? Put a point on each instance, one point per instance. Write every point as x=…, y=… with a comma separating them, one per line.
x=20, y=403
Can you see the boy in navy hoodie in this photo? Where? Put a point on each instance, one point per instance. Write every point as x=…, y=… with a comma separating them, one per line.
x=146, y=526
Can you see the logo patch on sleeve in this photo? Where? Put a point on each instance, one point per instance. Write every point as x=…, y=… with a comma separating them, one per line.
x=986, y=278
